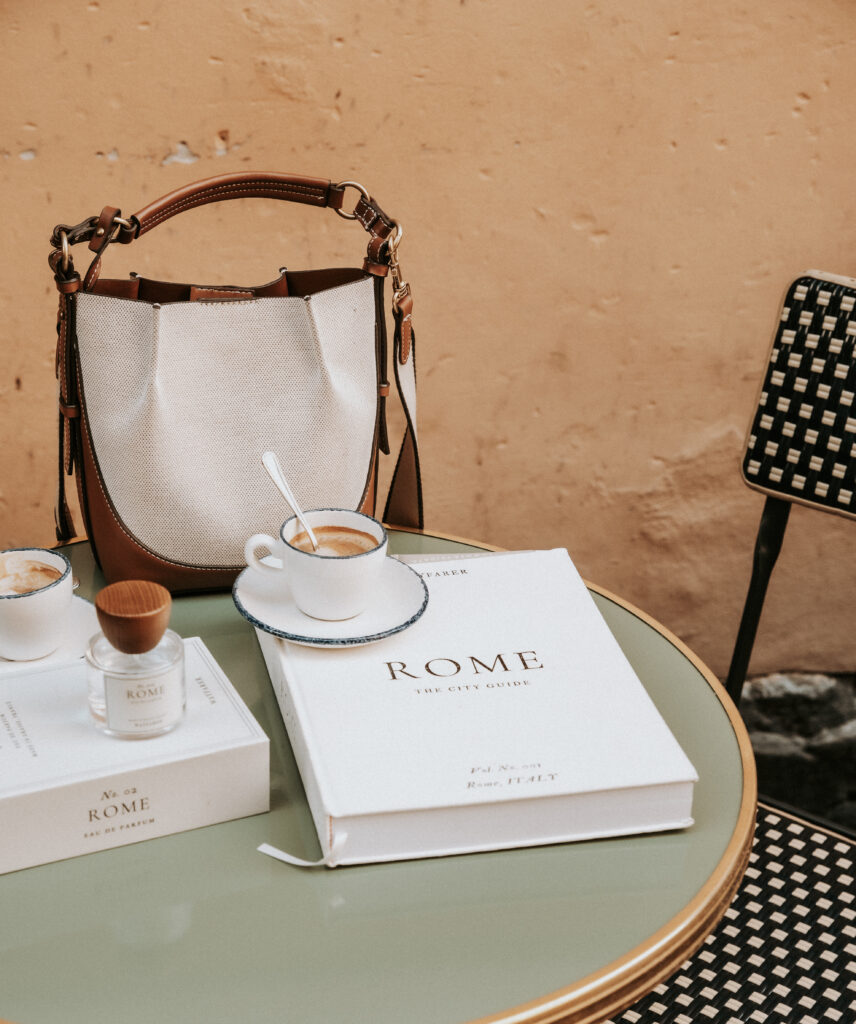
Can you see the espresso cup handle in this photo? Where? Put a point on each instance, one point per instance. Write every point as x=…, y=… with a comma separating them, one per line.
x=259, y=540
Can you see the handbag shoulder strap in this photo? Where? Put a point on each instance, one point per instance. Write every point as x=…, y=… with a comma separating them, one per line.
x=404, y=499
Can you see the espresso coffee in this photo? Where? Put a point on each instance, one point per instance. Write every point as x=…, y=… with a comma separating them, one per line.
x=335, y=541
x=25, y=575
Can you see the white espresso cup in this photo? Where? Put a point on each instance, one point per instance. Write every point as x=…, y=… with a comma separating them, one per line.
x=324, y=583
x=34, y=623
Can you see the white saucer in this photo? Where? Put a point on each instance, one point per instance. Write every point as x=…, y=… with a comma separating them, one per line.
x=400, y=600
x=82, y=626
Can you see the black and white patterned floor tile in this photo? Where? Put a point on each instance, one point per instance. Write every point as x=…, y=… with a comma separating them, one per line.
x=785, y=952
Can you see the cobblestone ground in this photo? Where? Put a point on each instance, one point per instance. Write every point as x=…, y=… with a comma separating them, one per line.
x=803, y=732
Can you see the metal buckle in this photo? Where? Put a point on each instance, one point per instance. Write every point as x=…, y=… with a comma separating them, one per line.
x=65, y=243
x=360, y=189
x=118, y=223
x=398, y=295
x=399, y=285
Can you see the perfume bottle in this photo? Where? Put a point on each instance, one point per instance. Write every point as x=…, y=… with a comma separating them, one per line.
x=136, y=665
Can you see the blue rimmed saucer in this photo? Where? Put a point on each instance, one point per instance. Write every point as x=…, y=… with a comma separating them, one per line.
x=399, y=601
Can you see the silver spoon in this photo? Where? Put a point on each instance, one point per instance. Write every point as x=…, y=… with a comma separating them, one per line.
x=272, y=464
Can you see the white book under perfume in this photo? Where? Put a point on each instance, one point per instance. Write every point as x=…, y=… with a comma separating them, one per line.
x=507, y=716
x=67, y=789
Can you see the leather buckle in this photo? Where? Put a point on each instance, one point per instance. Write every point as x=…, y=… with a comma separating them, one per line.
x=81, y=232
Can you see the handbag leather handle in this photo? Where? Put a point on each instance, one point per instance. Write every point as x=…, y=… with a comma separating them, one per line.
x=293, y=188
x=110, y=226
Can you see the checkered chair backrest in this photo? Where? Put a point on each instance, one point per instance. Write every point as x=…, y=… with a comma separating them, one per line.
x=801, y=443
x=786, y=947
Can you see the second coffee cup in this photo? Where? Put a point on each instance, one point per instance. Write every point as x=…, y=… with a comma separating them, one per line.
x=35, y=602
x=338, y=580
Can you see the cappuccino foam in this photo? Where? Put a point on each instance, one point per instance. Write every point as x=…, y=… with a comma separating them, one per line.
x=335, y=541
x=24, y=575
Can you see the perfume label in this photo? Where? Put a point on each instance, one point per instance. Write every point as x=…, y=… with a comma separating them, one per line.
x=143, y=705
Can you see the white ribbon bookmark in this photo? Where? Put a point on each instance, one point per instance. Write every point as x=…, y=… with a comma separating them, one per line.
x=329, y=860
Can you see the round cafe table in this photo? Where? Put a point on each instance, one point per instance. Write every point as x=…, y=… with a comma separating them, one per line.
x=198, y=926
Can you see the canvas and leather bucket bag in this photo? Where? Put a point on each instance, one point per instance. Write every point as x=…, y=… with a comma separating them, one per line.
x=170, y=393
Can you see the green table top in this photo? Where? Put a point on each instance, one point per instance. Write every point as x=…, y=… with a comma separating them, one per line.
x=200, y=927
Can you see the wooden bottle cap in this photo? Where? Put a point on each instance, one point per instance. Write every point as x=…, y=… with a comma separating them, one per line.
x=133, y=614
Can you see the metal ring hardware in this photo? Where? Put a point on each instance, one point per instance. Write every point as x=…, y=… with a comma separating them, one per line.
x=360, y=189
x=66, y=251
x=400, y=287
x=394, y=243
x=398, y=295
x=120, y=223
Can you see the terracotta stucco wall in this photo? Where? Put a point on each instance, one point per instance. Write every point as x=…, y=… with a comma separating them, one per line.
x=602, y=202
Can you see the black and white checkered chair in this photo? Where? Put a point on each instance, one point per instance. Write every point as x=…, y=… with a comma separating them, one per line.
x=785, y=952
x=802, y=443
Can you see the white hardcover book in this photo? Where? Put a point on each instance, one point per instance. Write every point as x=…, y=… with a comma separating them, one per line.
x=67, y=789
x=506, y=716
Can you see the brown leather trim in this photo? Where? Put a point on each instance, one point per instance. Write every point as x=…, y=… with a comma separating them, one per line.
x=67, y=376
x=75, y=429
x=74, y=233
x=378, y=269
x=292, y=187
x=92, y=274
x=378, y=225
x=162, y=291
x=404, y=500
x=120, y=555
x=300, y=282
x=119, y=289
x=104, y=228
x=275, y=289
x=368, y=502
x=307, y=282
x=404, y=322
x=381, y=348
x=69, y=286
x=61, y=366
x=400, y=509
x=200, y=294
x=66, y=440
x=63, y=521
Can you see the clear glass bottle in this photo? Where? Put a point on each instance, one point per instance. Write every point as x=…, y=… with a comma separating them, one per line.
x=136, y=665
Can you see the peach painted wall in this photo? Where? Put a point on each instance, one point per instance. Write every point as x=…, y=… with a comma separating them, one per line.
x=603, y=203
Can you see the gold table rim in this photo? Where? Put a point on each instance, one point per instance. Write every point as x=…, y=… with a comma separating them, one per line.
x=613, y=988
x=616, y=986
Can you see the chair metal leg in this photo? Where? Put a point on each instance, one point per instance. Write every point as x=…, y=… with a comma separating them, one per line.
x=768, y=544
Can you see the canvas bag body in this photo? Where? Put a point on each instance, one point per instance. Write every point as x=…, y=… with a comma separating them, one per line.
x=175, y=391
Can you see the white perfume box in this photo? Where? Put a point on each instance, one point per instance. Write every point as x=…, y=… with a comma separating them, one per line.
x=67, y=789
